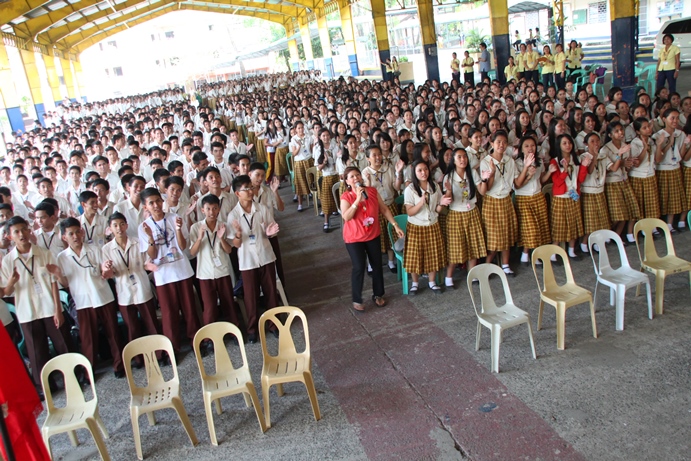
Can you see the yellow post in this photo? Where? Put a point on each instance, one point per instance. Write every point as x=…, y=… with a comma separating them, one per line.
x=325, y=40
x=79, y=76
x=69, y=78
x=499, y=21
x=307, y=44
x=429, y=37
x=348, y=36
x=53, y=78
x=294, y=55
x=381, y=31
x=8, y=91
x=34, y=80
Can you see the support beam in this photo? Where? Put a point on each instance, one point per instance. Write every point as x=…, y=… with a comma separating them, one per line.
x=79, y=77
x=348, y=37
x=325, y=40
x=381, y=31
x=294, y=55
x=34, y=80
x=429, y=37
x=69, y=78
x=622, y=13
x=307, y=45
x=8, y=91
x=499, y=21
x=53, y=78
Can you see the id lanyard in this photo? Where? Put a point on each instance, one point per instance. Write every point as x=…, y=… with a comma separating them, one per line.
x=89, y=237
x=31, y=272
x=163, y=232
x=90, y=266
x=48, y=243
x=133, y=280
x=250, y=222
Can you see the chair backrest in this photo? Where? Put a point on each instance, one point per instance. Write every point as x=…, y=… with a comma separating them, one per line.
x=286, y=345
x=147, y=346
x=647, y=226
x=216, y=332
x=312, y=179
x=482, y=273
x=600, y=238
x=336, y=192
x=402, y=221
x=66, y=363
x=289, y=161
x=544, y=253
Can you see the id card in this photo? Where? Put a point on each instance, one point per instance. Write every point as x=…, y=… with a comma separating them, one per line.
x=217, y=261
x=38, y=288
x=133, y=280
x=253, y=239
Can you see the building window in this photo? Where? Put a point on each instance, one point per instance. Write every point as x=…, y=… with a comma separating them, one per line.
x=597, y=12
x=117, y=71
x=113, y=43
x=153, y=37
x=170, y=35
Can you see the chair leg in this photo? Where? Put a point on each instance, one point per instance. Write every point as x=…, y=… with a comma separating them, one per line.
x=592, y=318
x=182, y=414
x=659, y=293
x=134, y=414
x=312, y=393
x=619, y=307
x=73, y=438
x=597, y=283
x=650, y=304
x=477, y=336
x=561, y=325
x=46, y=441
x=219, y=408
x=267, y=408
x=539, y=315
x=279, y=390
x=532, y=340
x=612, y=296
x=405, y=280
x=252, y=392
x=248, y=401
x=152, y=418
x=210, y=419
x=101, y=425
x=95, y=430
x=496, y=344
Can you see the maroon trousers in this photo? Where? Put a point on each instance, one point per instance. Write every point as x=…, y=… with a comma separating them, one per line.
x=88, y=332
x=252, y=280
x=214, y=290
x=36, y=334
x=173, y=297
x=147, y=312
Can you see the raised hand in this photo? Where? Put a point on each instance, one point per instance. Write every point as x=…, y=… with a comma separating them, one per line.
x=147, y=230
x=15, y=276
x=272, y=229
x=221, y=230
x=486, y=174
x=586, y=160
x=178, y=223
x=552, y=168
x=445, y=200
x=275, y=183
x=54, y=270
x=529, y=160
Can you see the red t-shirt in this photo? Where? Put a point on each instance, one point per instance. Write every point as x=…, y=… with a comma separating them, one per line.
x=365, y=224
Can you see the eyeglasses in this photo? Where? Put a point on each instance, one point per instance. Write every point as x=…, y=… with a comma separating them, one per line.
x=246, y=189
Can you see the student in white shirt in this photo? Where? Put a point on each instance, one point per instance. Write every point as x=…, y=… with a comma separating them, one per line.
x=162, y=238
x=79, y=268
x=132, y=208
x=45, y=222
x=93, y=224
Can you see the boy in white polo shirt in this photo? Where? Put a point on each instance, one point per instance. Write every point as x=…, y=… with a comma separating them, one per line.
x=132, y=208
x=36, y=298
x=46, y=234
x=162, y=237
x=79, y=268
x=94, y=224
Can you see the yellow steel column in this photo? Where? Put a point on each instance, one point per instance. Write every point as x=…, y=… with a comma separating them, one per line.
x=381, y=31
x=8, y=91
x=623, y=16
x=79, y=76
x=325, y=40
x=307, y=44
x=499, y=21
x=69, y=78
x=348, y=36
x=429, y=37
x=53, y=78
x=34, y=80
x=292, y=49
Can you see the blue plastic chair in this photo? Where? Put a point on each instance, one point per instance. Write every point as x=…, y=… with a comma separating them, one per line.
x=401, y=274
x=291, y=172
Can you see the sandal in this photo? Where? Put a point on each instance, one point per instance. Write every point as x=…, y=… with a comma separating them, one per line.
x=379, y=301
x=436, y=289
x=358, y=307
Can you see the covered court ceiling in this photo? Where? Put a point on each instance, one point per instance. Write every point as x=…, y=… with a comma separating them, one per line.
x=74, y=25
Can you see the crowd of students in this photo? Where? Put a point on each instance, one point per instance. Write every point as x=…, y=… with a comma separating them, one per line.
x=184, y=193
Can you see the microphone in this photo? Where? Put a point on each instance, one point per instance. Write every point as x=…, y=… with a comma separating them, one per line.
x=364, y=192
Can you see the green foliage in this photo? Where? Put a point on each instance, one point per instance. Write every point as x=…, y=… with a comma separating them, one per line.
x=473, y=39
x=403, y=59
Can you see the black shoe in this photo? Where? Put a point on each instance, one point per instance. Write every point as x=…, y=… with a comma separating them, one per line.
x=119, y=374
x=369, y=273
x=394, y=269
x=252, y=338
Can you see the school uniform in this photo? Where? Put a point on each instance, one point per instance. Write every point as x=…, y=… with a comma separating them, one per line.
x=498, y=215
x=302, y=161
x=173, y=278
x=565, y=215
x=213, y=272
x=643, y=179
x=621, y=201
x=424, y=245
x=593, y=199
x=228, y=202
x=50, y=241
x=329, y=177
x=670, y=184
x=95, y=231
x=133, y=215
x=35, y=308
x=463, y=233
x=266, y=197
x=256, y=259
x=135, y=297
x=531, y=209
x=94, y=301
x=107, y=210
x=384, y=180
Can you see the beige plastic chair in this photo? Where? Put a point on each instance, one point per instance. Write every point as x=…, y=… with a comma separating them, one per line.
x=492, y=316
x=228, y=380
x=313, y=184
x=157, y=394
x=560, y=296
x=288, y=365
x=77, y=412
x=618, y=280
x=336, y=192
x=659, y=266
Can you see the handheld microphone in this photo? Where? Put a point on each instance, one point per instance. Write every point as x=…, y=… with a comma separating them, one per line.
x=364, y=193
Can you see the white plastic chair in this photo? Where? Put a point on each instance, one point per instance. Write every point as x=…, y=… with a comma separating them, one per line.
x=157, y=394
x=618, y=280
x=77, y=412
x=496, y=318
x=227, y=380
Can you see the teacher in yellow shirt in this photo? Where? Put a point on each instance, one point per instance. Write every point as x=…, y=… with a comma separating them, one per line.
x=668, y=64
x=559, y=66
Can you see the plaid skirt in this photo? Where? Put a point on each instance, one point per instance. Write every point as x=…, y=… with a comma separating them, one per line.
x=670, y=188
x=499, y=223
x=464, y=237
x=424, y=249
x=326, y=197
x=251, y=137
x=260, y=150
x=533, y=221
x=645, y=191
x=385, y=242
x=595, y=212
x=281, y=164
x=566, y=219
x=621, y=202
x=687, y=186
x=300, y=169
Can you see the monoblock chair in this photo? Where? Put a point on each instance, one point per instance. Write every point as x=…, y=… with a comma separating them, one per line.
x=227, y=380
x=291, y=171
x=77, y=412
x=618, y=280
x=560, y=296
x=288, y=365
x=659, y=266
x=158, y=393
x=313, y=184
x=401, y=274
x=496, y=318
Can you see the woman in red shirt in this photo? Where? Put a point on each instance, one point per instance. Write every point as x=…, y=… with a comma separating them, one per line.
x=360, y=208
